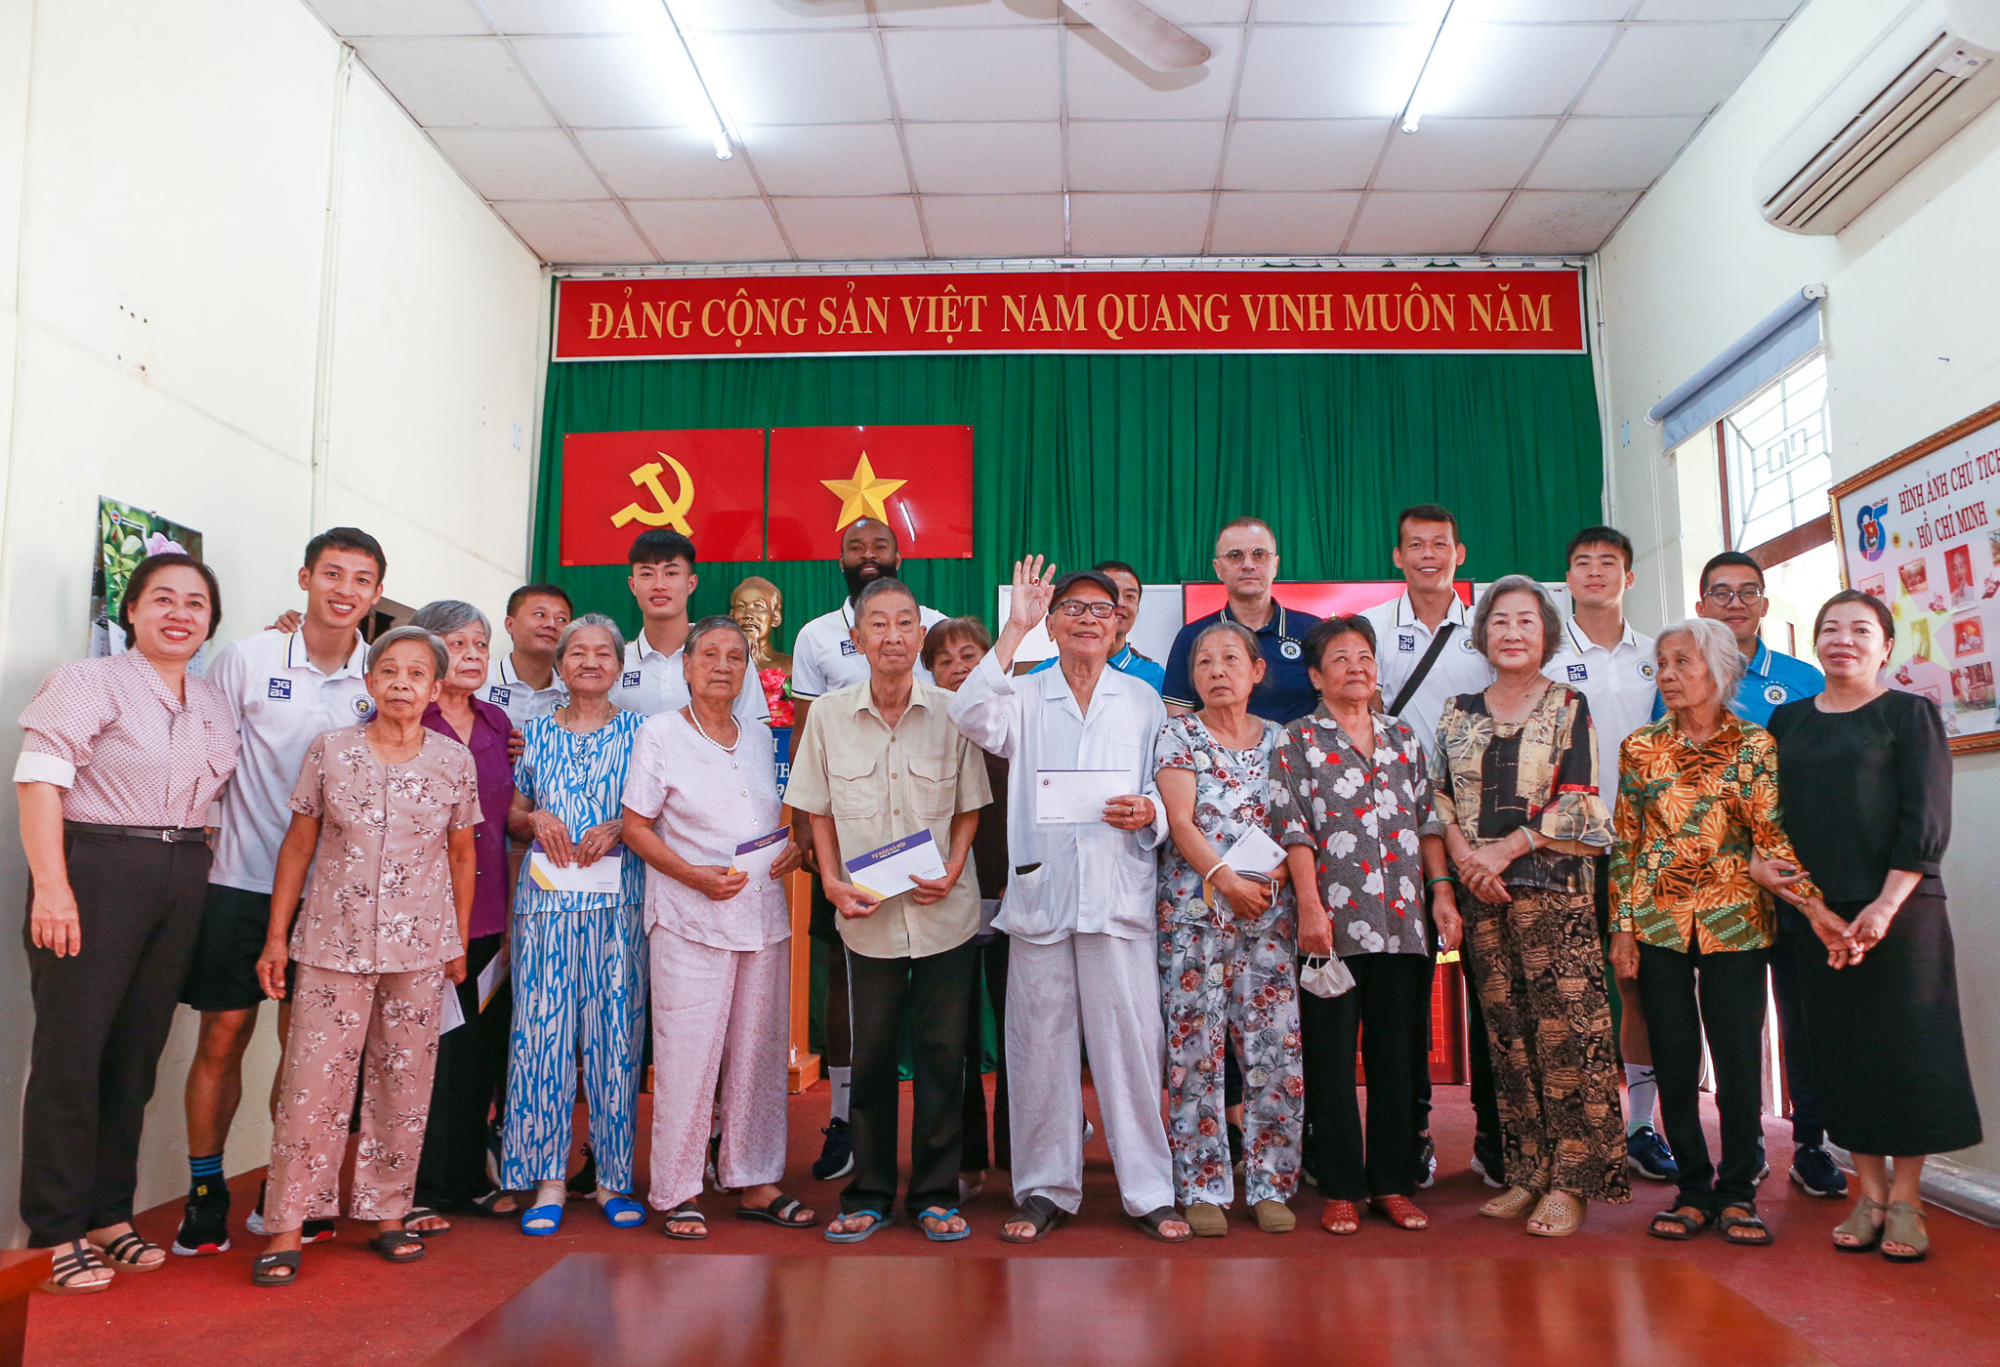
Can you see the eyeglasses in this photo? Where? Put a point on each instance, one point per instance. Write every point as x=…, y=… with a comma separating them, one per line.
x=1076, y=607
x=1239, y=558
x=1749, y=596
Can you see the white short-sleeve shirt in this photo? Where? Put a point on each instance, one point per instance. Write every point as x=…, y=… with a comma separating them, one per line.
x=824, y=656
x=1618, y=685
x=522, y=702
x=653, y=683
x=282, y=703
x=1400, y=644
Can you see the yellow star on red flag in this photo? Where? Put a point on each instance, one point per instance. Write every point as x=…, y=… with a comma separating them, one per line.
x=863, y=495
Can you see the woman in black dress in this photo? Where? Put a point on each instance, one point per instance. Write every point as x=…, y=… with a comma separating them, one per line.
x=1864, y=779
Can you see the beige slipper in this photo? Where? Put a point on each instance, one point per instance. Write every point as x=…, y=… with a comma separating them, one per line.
x=1275, y=1217
x=1509, y=1203
x=1206, y=1220
x=1558, y=1216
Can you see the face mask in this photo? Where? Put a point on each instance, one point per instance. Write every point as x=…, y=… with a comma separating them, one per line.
x=1326, y=977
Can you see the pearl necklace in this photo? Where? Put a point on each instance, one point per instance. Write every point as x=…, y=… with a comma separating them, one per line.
x=695, y=717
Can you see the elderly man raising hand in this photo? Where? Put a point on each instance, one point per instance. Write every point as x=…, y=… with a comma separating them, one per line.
x=1079, y=904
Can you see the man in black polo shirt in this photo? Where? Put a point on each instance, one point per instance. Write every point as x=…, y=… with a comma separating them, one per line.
x=1246, y=561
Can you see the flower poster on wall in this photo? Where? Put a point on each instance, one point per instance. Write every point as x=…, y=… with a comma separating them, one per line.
x=1921, y=531
x=125, y=536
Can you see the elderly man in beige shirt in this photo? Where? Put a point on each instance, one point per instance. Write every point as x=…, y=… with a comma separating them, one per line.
x=880, y=762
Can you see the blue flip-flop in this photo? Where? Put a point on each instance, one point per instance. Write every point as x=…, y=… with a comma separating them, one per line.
x=533, y=1213
x=941, y=1236
x=881, y=1222
x=624, y=1212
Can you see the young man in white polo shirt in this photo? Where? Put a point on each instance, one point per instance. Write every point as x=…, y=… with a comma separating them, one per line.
x=1424, y=655
x=1602, y=658
x=662, y=582
x=286, y=688
x=523, y=682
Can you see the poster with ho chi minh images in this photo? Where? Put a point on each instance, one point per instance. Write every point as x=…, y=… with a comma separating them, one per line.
x=1921, y=531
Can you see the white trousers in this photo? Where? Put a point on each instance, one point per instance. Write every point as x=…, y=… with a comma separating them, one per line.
x=717, y=1014
x=1110, y=988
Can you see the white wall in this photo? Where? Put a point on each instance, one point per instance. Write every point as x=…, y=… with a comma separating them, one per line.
x=1912, y=321
x=233, y=256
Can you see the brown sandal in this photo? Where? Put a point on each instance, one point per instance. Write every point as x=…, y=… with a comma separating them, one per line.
x=1509, y=1203
x=1904, y=1225
x=1557, y=1216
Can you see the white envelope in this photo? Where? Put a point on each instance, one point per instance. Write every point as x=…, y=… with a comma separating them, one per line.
x=606, y=875
x=1066, y=797
x=491, y=976
x=755, y=857
x=1256, y=852
x=884, y=873
x=454, y=1014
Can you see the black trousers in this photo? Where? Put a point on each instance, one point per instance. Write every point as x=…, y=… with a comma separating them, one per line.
x=1389, y=990
x=471, y=1066
x=1808, y=1130
x=991, y=959
x=1721, y=995
x=101, y=1019
x=935, y=989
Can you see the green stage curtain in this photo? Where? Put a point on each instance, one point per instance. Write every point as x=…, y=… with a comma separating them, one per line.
x=1141, y=458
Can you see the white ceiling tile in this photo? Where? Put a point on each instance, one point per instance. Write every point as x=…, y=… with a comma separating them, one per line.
x=575, y=16
x=968, y=226
x=1330, y=73
x=964, y=13
x=1302, y=154
x=1463, y=154
x=1350, y=11
x=664, y=163
x=852, y=229
x=769, y=14
x=1416, y=222
x=1511, y=70
x=578, y=232
x=1137, y=225
x=1659, y=11
x=1558, y=221
x=966, y=74
x=1675, y=68
x=1611, y=154
x=1148, y=154
x=1307, y=224
x=631, y=81
x=519, y=163
x=1107, y=82
x=988, y=158
x=1553, y=11
x=766, y=78
x=400, y=18
x=1187, y=13
x=805, y=159
x=711, y=230
x=455, y=82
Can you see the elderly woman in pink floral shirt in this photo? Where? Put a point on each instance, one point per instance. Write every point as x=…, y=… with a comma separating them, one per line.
x=388, y=808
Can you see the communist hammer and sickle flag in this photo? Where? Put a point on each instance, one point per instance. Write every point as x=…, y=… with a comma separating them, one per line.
x=669, y=512
x=706, y=484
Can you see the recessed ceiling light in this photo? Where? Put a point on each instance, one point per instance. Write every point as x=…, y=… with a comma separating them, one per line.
x=715, y=129
x=1440, y=61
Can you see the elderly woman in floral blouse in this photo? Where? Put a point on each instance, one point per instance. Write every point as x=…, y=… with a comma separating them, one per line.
x=1227, y=945
x=1352, y=806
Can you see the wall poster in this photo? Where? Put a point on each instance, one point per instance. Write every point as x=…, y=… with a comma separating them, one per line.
x=125, y=536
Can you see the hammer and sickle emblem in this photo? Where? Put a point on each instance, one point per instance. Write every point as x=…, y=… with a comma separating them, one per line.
x=672, y=512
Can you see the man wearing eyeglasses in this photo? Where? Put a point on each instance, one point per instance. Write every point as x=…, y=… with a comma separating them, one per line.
x=1732, y=593
x=1246, y=561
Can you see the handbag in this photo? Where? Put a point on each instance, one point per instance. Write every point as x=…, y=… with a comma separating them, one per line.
x=1325, y=976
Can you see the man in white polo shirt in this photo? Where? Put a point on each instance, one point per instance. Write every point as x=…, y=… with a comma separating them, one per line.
x=523, y=682
x=1602, y=658
x=662, y=582
x=286, y=688
x=1424, y=655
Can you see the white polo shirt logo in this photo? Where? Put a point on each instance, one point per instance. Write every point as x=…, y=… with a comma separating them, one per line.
x=630, y=679
x=1406, y=642
x=1465, y=644
x=1579, y=673
x=1646, y=669
x=364, y=706
x=497, y=696
x=281, y=689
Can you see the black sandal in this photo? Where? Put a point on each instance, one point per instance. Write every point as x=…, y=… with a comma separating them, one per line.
x=69, y=1267
x=1149, y=1225
x=1038, y=1212
x=264, y=1271
x=398, y=1246
x=1687, y=1221
x=127, y=1250
x=779, y=1212
x=425, y=1213
x=685, y=1214
x=1728, y=1225
x=486, y=1207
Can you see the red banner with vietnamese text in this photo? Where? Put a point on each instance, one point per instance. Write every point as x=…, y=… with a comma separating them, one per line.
x=1442, y=309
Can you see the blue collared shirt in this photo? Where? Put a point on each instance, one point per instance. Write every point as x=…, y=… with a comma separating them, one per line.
x=1287, y=692
x=1126, y=661
x=1772, y=679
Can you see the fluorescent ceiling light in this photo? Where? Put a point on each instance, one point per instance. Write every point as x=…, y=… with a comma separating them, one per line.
x=1437, y=61
x=713, y=128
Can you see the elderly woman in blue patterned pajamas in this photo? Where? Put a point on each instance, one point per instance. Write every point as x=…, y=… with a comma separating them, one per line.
x=579, y=958
x=1227, y=947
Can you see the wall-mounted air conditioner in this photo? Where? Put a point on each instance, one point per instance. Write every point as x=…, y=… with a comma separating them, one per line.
x=1929, y=74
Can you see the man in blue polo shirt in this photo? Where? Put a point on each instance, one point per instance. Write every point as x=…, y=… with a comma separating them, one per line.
x=1732, y=593
x=1124, y=658
x=1246, y=561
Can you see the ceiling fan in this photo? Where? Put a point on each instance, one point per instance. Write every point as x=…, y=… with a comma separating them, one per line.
x=1136, y=27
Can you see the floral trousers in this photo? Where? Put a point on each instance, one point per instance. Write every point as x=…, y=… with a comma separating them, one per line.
x=378, y=1029
x=1232, y=986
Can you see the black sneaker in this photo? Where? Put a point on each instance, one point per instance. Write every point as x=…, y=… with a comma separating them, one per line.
x=205, y=1223
x=1427, y=1163
x=585, y=1181
x=1815, y=1173
x=1648, y=1155
x=316, y=1231
x=836, y=1158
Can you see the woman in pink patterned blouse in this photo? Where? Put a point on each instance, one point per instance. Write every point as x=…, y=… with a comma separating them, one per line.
x=388, y=808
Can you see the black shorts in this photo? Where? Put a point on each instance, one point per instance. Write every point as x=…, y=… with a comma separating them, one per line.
x=234, y=926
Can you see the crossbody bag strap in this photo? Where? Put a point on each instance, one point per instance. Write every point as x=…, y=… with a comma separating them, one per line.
x=1422, y=671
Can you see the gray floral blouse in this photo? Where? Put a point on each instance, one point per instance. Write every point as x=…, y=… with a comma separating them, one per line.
x=1232, y=795
x=1362, y=814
